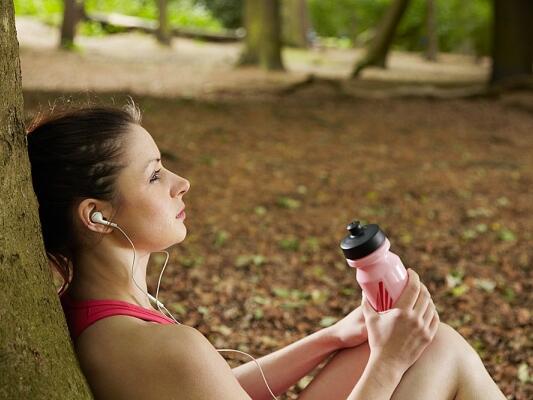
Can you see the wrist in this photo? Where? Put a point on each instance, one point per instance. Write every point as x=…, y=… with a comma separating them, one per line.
x=386, y=367
x=329, y=339
x=379, y=380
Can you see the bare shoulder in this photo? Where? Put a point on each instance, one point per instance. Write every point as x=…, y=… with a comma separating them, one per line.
x=155, y=361
x=191, y=362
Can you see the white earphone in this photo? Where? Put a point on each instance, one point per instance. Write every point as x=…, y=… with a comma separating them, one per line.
x=98, y=218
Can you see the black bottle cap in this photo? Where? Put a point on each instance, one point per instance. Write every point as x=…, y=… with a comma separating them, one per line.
x=362, y=240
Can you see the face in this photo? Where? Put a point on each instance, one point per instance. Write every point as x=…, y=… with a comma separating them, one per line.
x=151, y=197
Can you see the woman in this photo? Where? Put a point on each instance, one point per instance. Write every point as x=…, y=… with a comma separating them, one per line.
x=100, y=160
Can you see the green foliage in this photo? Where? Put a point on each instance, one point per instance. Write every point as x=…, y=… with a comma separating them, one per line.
x=182, y=13
x=228, y=12
x=38, y=7
x=462, y=26
x=507, y=235
x=288, y=203
x=289, y=244
x=523, y=373
x=327, y=321
x=246, y=260
x=192, y=261
x=221, y=237
x=260, y=210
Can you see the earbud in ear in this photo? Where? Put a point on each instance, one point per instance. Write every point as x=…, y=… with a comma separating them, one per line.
x=98, y=218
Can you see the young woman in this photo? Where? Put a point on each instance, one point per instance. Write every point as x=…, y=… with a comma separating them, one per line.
x=101, y=160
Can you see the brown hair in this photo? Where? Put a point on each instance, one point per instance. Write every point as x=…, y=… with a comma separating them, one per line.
x=75, y=154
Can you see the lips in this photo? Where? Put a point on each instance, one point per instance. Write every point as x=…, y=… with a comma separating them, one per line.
x=181, y=214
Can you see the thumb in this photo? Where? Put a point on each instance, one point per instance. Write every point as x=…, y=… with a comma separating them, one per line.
x=368, y=310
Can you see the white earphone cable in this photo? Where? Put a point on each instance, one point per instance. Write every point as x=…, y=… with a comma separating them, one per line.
x=159, y=305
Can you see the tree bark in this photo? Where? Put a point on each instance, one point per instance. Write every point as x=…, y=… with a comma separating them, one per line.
x=163, y=31
x=263, y=37
x=432, y=46
x=37, y=360
x=72, y=13
x=296, y=23
x=378, y=49
x=512, y=50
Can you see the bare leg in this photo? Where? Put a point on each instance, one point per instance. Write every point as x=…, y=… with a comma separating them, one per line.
x=448, y=369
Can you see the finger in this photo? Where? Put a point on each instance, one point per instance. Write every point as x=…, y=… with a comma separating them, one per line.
x=429, y=313
x=409, y=295
x=434, y=325
x=424, y=298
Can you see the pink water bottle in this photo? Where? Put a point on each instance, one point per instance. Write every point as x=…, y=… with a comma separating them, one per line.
x=379, y=272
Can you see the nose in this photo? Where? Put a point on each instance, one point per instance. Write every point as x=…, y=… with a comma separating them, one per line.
x=180, y=186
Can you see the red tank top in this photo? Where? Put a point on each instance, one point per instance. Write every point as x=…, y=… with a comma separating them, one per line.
x=81, y=314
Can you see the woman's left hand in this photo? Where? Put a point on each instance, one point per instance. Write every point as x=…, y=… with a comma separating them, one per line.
x=351, y=330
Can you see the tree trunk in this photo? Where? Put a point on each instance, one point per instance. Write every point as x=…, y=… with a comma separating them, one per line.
x=163, y=31
x=296, y=23
x=432, y=46
x=252, y=23
x=72, y=13
x=263, y=37
x=376, y=54
x=512, y=51
x=36, y=355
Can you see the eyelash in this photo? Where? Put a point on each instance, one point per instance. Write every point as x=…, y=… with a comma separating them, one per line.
x=155, y=176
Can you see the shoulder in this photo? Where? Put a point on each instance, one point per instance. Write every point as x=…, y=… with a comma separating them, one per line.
x=167, y=360
x=189, y=361
x=126, y=337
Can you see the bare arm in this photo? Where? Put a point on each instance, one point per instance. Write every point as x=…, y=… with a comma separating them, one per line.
x=377, y=382
x=286, y=366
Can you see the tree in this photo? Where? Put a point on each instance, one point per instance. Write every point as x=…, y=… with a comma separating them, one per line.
x=263, y=37
x=37, y=360
x=73, y=10
x=163, y=32
x=296, y=23
x=512, y=50
x=378, y=49
x=432, y=45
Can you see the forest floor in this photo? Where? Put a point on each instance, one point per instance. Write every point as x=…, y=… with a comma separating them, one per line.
x=276, y=176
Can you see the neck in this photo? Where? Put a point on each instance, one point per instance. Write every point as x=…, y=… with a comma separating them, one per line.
x=105, y=272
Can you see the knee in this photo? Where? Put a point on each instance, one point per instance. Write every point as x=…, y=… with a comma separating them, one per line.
x=450, y=342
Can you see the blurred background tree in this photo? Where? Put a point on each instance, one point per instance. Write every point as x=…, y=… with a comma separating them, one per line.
x=376, y=53
x=296, y=23
x=425, y=26
x=262, y=45
x=463, y=27
x=73, y=12
x=513, y=33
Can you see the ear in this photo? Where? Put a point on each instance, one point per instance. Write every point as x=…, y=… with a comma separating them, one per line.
x=87, y=207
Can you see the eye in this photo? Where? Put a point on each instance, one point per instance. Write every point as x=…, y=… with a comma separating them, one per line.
x=155, y=176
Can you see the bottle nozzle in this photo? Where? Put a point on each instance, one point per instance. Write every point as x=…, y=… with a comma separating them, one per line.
x=355, y=228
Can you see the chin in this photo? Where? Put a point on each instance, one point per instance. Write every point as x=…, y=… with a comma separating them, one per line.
x=181, y=237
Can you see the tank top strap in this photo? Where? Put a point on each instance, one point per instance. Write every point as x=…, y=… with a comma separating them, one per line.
x=80, y=314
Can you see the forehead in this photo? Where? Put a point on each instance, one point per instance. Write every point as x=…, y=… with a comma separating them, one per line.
x=140, y=146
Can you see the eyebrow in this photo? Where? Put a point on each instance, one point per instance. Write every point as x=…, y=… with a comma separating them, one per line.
x=151, y=161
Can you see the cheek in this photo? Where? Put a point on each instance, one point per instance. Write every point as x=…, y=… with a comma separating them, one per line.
x=158, y=217
x=146, y=216
x=152, y=221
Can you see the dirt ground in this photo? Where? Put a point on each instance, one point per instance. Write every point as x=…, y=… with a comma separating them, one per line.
x=275, y=179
